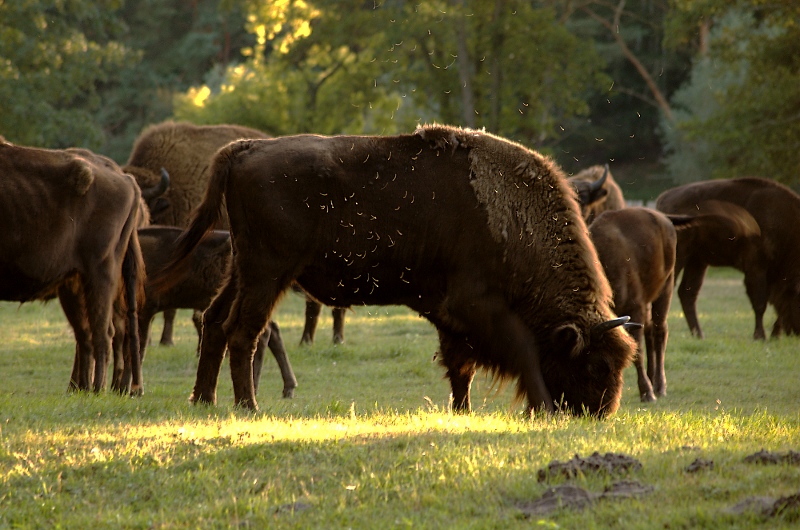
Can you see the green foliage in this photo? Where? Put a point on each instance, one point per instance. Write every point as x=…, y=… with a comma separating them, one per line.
x=181, y=44
x=741, y=108
x=318, y=68
x=623, y=119
x=54, y=57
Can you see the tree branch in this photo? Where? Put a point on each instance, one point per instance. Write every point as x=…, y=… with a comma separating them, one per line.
x=661, y=101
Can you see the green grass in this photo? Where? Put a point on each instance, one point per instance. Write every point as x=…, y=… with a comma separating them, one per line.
x=368, y=441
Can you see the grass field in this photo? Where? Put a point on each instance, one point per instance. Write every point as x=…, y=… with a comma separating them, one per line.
x=368, y=441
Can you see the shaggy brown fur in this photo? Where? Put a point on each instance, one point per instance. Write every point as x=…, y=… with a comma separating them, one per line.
x=185, y=151
x=768, y=256
x=610, y=197
x=479, y=235
x=69, y=219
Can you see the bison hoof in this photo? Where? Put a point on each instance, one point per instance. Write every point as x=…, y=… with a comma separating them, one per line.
x=137, y=391
x=288, y=393
x=306, y=341
x=167, y=342
x=338, y=339
x=200, y=398
x=248, y=405
x=648, y=397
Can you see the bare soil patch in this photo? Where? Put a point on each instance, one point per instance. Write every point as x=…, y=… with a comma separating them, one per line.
x=768, y=457
x=611, y=463
x=576, y=498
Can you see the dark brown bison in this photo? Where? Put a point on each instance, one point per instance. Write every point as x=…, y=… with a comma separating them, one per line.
x=768, y=253
x=120, y=380
x=597, y=192
x=480, y=235
x=637, y=249
x=69, y=223
x=208, y=265
x=183, y=151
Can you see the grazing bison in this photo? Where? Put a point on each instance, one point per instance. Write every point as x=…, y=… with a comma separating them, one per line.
x=209, y=263
x=184, y=151
x=480, y=235
x=597, y=192
x=637, y=249
x=766, y=247
x=69, y=223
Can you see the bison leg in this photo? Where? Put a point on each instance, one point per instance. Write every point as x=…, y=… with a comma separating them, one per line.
x=146, y=316
x=313, y=309
x=212, y=344
x=657, y=343
x=74, y=310
x=338, y=324
x=457, y=356
x=275, y=344
x=197, y=320
x=688, y=291
x=120, y=382
x=100, y=290
x=643, y=381
x=169, y=325
x=257, y=291
x=756, y=286
x=505, y=337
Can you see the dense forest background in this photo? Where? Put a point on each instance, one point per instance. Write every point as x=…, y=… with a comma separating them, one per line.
x=665, y=91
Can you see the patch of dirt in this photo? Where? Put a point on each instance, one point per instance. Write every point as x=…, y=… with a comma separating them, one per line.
x=577, y=498
x=626, y=489
x=565, y=496
x=699, y=464
x=768, y=457
x=766, y=506
x=596, y=463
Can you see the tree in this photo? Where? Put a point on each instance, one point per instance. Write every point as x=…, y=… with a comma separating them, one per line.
x=383, y=68
x=181, y=44
x=53, y=58
x=740, y=111
x=642, y=75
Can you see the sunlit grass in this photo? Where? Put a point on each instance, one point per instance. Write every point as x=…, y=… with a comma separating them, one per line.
x=369, y=442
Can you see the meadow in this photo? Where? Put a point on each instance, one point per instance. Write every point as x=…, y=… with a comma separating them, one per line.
x=368, y=441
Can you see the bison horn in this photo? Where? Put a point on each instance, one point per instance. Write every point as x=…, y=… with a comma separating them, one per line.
x=597, y=184
x=602, y=327
x=159, y=189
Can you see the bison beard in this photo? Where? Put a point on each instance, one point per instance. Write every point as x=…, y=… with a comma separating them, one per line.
x=481, y=236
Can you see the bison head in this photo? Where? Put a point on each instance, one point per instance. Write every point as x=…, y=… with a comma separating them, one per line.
x=153, y=190
x=584, y=372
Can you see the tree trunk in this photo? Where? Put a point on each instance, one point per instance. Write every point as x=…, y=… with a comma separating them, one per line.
x=465, y=73
x=613, y=27
x=497, y=78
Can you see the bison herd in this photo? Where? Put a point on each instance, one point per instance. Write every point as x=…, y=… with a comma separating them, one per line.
x=522, y=271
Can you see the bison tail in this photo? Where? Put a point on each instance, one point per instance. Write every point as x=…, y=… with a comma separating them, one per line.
x=203, y=219
x=133, y=278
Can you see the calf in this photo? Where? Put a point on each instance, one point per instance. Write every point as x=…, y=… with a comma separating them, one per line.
x=636, y=247
x=209, y=262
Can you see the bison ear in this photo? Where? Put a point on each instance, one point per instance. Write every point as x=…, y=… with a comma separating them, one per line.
x=569, y=337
